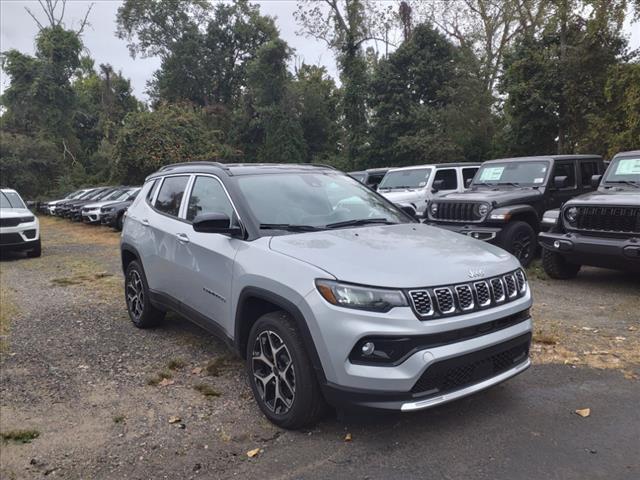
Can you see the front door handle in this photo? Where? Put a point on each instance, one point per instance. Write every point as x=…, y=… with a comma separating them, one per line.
x=182, y=237
x=145, y=222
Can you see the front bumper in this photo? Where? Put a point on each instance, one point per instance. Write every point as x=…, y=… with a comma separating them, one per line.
x=488, y=234
x=605, y=252
x=399, y=387
x=21, y=237
x=91, y=216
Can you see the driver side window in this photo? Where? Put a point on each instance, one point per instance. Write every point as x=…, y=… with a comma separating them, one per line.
x=208, y=196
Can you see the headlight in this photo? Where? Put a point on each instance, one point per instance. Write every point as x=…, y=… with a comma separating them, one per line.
x=433, y=209
x=361, y=298
x=482, y=210
x=571, y=214
x=108, y=209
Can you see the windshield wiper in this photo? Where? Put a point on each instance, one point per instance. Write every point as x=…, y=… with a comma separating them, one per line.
x=513, y=184
x=362, y=221
x=625, y=182
x=288, y=226
x=475, y=184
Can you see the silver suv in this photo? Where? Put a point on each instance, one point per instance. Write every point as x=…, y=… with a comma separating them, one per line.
x=327, y=290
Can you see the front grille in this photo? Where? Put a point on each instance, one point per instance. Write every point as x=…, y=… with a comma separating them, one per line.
x=462, y=298
x=608, y=219
x=14, y=222
x=10, y=238
x=456, y=212
x=459, y=372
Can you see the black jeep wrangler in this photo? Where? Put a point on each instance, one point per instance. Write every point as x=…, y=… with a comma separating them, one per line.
x=602, y=228
x=507, y=197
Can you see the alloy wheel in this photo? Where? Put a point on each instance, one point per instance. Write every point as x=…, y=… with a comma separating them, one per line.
x=135, y=294
x=522, y=247
x=273, y=372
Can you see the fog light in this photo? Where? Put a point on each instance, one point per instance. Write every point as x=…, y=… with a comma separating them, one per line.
x=368, y=348
x=556, y=244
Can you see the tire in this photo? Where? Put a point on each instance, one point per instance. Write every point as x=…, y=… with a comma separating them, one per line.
x=136, y=293
x=119, y=222
x=519, y=239
x=557, y=267
x=300, y=401
x=36, y=251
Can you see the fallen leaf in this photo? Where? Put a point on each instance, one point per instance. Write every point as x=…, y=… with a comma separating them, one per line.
x=174, y=419
x=347, y=437
x=632, y=329
x=620, y=339
x=584, y=412
x=197, y=371
x=165, y=382
x=253, y=453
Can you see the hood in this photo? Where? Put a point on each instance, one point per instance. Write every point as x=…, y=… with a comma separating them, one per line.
x=495, y=197
x=15, y=212
x=413, y=197
x=407, y=255
x=98, y=204
x=604, y=198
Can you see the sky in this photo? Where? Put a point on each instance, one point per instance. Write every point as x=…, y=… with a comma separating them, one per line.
x=18, y=29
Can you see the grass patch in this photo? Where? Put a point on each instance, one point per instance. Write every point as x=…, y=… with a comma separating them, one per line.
x=214, y=367
x=158, y=377
x=8, y=310
x=545, y=338
x=20, y=436
x=79, y=279
x=206, y=390
x=176, y=364
x=117, y=419
x=535, y=270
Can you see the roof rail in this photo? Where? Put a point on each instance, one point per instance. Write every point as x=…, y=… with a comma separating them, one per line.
x=187, y=164
x=320, y=165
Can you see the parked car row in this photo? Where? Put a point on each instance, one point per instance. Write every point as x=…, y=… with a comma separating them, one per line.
x=98, y=205
x=514, y=202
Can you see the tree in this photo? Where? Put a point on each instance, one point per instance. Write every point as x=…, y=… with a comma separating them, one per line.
x=346, y=25
x=210, y=68
x=170, y=134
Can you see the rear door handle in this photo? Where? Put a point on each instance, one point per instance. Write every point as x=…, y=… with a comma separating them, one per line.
x=182, y=237
x=144, y=222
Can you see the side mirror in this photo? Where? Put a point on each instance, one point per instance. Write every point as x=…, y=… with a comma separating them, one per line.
x=560, y=181
x=215, y=223
x=408, y=209
x=437, y=185
x=595, y=180
x=467, y=182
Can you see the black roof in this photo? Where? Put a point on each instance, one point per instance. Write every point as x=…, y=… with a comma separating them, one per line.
x=546, y=157
x=233, y=169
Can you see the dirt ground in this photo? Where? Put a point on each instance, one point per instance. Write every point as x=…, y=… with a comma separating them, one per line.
x=84, y=394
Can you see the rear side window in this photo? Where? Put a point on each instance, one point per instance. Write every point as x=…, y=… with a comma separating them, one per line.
x=468, y=174
x=449, y=177
x=566, y=169
x=587, y=170
x=170, y=195
x=208, y=196
x=152, y=191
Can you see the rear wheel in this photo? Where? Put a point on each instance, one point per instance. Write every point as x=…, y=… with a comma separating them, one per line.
x=282, y=378
x=518, y=238
x=36, y=251
x=141, y=312
x=556, y=266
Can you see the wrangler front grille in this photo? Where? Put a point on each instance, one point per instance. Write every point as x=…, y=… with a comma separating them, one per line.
x=466, y=297
x=456, y=212
x=608, y=219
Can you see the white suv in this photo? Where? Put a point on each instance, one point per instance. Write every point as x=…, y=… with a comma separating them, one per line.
x=415, y=186
x=19, y=227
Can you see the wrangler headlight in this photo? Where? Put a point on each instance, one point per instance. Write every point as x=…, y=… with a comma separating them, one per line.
x=433, y=208
x=482, y=210
x=361, y=298
x=571, y=214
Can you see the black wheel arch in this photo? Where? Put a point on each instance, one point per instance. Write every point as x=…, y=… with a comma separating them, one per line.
x=253, y=302
x=128, y=253
x=523, y=213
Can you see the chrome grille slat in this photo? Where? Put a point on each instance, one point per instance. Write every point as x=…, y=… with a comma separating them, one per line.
x=510, y=284
x=444, y=298
x=422, y=302
x=482, y=293
x=465, y=297
x=497, y=289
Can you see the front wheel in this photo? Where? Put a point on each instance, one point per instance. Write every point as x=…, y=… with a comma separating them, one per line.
x=119, y=222
x=556, y=266
x=282, y=378
x=519, y=239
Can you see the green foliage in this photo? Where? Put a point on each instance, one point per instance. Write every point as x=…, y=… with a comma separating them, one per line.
x=170, y=134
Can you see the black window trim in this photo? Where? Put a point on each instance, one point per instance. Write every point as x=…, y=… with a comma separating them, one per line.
x=155, y=196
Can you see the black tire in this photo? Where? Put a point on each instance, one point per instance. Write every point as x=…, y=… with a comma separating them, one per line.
x=519, y=239
x=36, y=251
x=119, y=222
x=556, y=266
x=306, y=403
x=136, y=294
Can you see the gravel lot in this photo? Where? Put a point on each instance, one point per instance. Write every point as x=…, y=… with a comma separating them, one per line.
x=109, y=401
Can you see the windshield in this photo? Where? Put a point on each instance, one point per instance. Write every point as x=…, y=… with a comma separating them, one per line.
x=623, y=170
x=116, y=195
x=101, y=195
x=314, y=200
x=414, y=178
x=512, y=173
x=11, y=200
